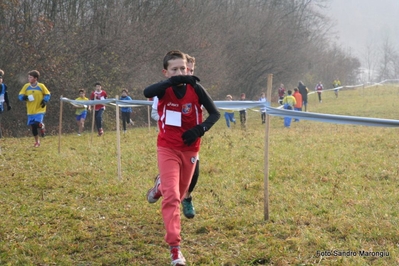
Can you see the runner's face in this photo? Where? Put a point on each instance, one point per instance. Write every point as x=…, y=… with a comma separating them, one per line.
x=31, y=79
x=190, y=69
x=176, y=67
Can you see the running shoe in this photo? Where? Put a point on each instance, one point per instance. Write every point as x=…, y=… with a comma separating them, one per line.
x=188, y=208
x=154, y=193
x=177, y=257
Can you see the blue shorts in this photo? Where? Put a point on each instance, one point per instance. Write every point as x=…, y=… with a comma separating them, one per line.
x=81, y=116
x=35, y=119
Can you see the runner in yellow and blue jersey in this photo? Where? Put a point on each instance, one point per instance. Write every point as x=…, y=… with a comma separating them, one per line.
x=81, y=111
x=36, y=96
x=288, y=102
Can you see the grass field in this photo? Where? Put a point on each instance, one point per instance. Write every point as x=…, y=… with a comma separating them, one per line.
x=333, y=188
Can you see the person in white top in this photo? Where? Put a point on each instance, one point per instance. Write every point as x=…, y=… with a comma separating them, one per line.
x=263, y=109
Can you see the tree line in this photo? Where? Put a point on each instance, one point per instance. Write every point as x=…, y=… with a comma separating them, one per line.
x=121, y=43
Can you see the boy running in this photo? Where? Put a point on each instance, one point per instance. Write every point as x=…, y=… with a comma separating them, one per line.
x=99, y=94
x=81, y=112
x=180, y=129
x=36, y=96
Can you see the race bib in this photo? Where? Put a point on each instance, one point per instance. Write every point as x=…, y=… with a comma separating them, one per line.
x=173, y=118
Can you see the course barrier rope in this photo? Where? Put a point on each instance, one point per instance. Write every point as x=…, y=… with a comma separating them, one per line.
x=365, y=85
x=258, y=105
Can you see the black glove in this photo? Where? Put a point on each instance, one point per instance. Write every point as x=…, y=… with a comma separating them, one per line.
x=8, y=107
x=43, y=104
x=176, y=80
x=191, y=135
x=25, y=97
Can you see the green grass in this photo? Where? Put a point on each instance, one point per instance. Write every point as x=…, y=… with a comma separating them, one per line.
x=332, y=187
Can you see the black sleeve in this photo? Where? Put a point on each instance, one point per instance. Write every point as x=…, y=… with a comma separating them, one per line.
x=209, y=105
x=6, y=100
x=157, y=89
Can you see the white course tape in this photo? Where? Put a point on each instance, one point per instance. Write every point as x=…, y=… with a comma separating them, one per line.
x=240, y=105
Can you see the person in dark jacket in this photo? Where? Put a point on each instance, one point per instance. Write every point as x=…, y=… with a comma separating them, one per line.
x=303, y=90
x=3, y=97
x=126, y=111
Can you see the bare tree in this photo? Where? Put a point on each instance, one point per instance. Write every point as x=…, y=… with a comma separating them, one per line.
x=75, y=43
x=388, y=64
x=370, y=58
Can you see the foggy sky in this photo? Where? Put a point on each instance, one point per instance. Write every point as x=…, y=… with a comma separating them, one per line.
x=362, y=22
